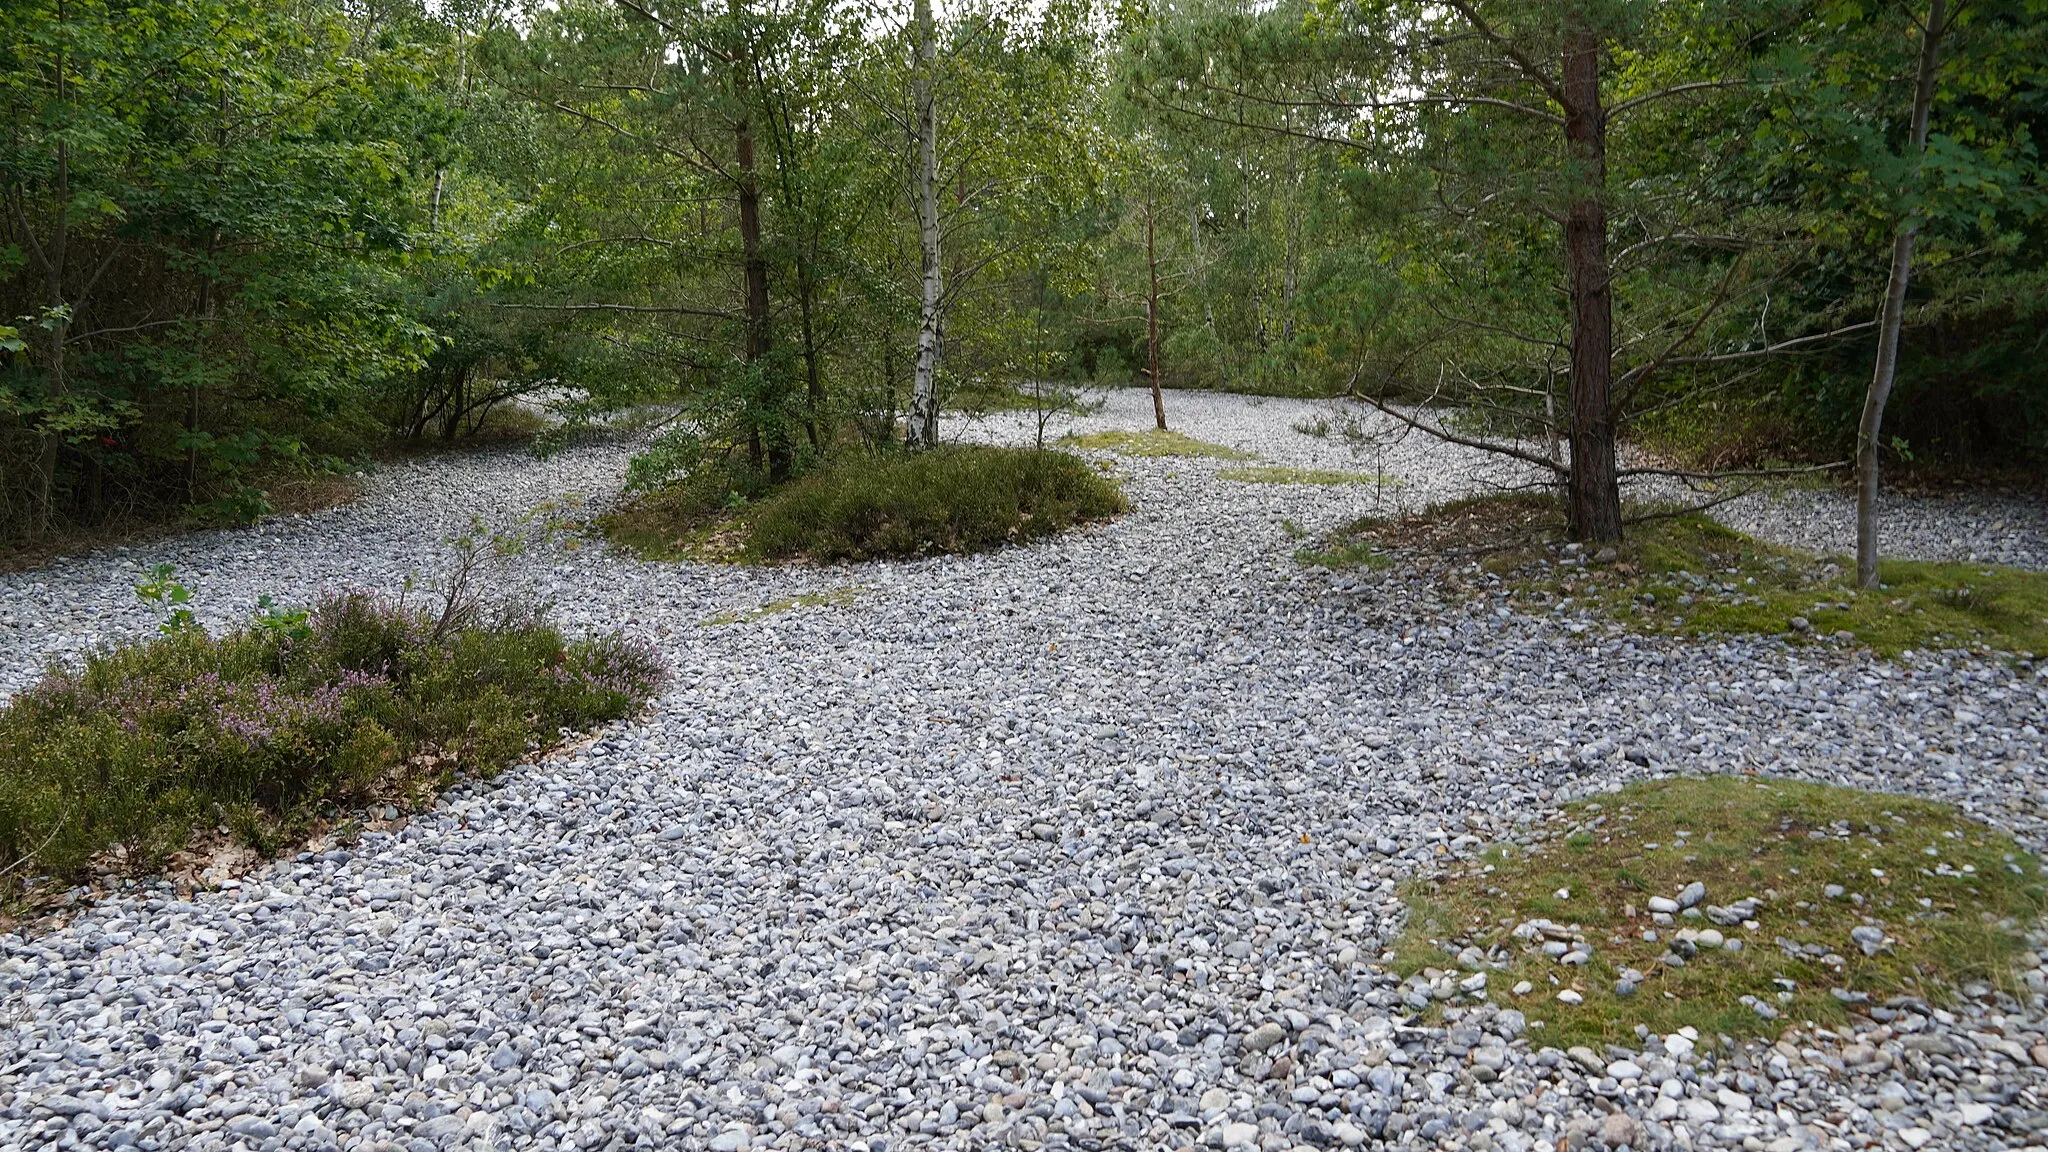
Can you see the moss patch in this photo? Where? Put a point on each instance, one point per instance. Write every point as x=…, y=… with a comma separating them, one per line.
x=1688, y=575
x=836, y=596
x=1304, y=476
x=1156, y=443
x=1798, y=877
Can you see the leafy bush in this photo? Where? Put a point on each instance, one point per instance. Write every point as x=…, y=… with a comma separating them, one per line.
x=152, y=740
x=955, y=499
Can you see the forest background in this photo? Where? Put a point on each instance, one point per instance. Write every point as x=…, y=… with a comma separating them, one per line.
x=253, y=239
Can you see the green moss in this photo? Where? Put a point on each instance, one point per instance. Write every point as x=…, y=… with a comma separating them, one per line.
x=1689, y=575
x=1304, y=476
x=1952, y=898
x=836, y=596
x=1157, y=443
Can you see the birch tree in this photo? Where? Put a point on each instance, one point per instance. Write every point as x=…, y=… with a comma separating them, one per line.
x=923, y=430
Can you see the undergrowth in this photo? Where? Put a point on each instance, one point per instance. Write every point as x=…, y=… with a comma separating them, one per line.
x=1686, y=574
x=1815, y=902
x=954, y=499
x=119, y=762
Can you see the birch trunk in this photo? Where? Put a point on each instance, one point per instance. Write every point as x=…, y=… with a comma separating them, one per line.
x=1593, y=490
x=1152, y=318
x=1892, y=318
x=923, y=431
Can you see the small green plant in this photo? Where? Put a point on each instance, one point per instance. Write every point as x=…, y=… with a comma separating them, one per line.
x=290, y=623
x=162, y=591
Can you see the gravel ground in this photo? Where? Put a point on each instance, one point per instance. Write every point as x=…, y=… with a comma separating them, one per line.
x=1088, y=845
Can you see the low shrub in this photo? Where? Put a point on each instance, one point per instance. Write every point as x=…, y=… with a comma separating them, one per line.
x=149, y=742
x=954, y=499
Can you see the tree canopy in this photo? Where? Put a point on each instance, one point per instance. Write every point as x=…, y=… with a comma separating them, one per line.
x=244, y=237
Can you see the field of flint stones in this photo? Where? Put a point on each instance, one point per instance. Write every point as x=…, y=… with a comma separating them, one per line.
x=1092, y=844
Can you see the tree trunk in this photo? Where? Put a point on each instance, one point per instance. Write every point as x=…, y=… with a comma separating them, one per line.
x=1892, y=318
x=1593, y=491
x=1152, y=319
x=923, y=431
x=771, y=450
x=58, y=320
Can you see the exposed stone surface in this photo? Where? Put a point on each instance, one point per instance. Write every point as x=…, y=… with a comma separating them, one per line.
x=1088, y=845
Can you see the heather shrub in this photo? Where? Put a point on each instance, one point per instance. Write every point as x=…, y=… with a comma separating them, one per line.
x=261, y=729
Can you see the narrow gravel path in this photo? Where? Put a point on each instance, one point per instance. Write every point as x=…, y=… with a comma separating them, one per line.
x=1093, y=844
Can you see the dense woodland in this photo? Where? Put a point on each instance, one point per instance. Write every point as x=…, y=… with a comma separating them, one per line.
x=244, y=237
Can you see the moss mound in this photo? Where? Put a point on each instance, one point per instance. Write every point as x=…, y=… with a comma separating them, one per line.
x=1812, y=903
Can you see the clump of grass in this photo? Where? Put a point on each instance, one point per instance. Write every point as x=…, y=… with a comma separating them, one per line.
x=1304, y=476
x=966, y=498
x=1156, y=443
x=261, y=729
x=1819, y=902
x=836, y=596
x=1689, y=575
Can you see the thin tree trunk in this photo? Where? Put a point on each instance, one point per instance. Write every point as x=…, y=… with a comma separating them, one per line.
x=1208, y=303
x=768, y=451
x=58, y=321
x=1892, y=318
x=1290, y=248
x=1152, y=318
x=1593, y=489
x=923, y=429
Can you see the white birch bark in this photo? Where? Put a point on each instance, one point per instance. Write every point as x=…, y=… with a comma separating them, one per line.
x=924, y=403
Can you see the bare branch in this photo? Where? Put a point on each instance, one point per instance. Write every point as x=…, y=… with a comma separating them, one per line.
x=1635, y=102
x=1448, y=436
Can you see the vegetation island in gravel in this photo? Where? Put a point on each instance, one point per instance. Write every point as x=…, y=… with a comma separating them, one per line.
x=1435, y=575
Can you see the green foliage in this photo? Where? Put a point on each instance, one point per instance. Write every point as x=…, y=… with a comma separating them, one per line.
x=953, y=499
x=1951, y=901
x=267, y=726
x=211, y=202
x=170, y=597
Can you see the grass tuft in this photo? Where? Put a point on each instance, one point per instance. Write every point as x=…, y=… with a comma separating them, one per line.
x=150, y=743
x=1798, y=877
x=1156, y=443
x=1304, y=476
x=1689, y=575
